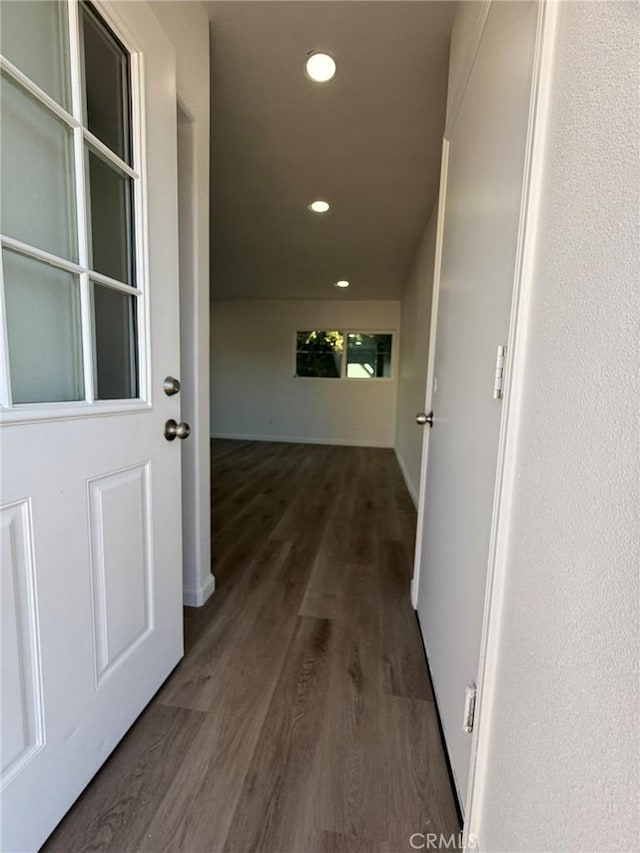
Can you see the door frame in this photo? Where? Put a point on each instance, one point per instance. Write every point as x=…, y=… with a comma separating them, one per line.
x=515, y=363
x=192, y=98
x=198, y=582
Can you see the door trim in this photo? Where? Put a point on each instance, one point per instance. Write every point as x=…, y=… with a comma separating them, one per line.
x=497, y=567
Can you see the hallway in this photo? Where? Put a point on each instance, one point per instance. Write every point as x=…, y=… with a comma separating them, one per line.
x=301, y=718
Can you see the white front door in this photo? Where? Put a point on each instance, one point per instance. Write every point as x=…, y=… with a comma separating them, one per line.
x=90, y=515
x=482, y=202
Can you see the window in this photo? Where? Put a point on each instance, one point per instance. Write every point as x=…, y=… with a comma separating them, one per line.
x=368, y=356
x=319, y=353
x=71, y=287
x=332, y=354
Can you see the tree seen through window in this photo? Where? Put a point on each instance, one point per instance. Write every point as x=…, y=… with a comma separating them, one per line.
x=319, y=353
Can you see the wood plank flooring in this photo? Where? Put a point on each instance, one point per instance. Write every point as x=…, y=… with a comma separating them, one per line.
x=301, y=719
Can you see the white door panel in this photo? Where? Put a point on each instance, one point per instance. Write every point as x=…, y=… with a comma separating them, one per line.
x=90, y=515
x=481, y=220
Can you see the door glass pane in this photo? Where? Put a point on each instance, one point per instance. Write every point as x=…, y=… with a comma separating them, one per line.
x=115, y=333
x=106, y=80
x=368, y=356
x=35, y=37
x=38, y=201
x=111, y=195
x=44, y=332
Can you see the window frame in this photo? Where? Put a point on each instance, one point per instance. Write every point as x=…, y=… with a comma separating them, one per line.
x=83, y=141
x=346, y=331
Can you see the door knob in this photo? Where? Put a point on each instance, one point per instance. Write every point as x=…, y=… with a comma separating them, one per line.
x=171, y=386
x=172, y=429
x=422, y=418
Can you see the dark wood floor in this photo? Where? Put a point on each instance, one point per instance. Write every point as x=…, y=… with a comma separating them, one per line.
x=301, y=718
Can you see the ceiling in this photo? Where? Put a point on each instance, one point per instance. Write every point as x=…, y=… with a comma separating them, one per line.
x=368, y=142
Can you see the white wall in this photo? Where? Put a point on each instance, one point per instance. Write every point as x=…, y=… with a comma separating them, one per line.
x=562, y=755
x=256, y=395
x=187, y=25
x=470, y=20
x=414, y=348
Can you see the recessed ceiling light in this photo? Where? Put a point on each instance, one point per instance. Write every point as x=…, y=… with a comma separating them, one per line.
x=341, y=283
x=320, y=67
x=319, y=206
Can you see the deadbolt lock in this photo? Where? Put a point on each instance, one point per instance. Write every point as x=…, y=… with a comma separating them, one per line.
x=171, y=386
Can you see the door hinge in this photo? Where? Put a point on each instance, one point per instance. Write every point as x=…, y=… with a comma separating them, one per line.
x=499, y=376
x=469, y=708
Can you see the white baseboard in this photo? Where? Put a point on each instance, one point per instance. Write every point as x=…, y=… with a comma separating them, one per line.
x=296, y=439
x=407, y=481
x=198, y=597
x=413, y=592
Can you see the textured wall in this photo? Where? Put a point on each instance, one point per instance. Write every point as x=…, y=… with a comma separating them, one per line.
x=562, y=772
x=255, y=393
x=414, y=350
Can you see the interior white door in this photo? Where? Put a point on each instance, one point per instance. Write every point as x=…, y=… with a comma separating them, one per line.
x=90, y=515
x=481, y=217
